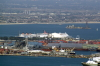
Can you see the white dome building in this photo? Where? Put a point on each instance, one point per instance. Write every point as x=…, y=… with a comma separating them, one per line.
x=59, y=35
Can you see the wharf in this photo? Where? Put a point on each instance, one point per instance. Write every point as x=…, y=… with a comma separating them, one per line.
x=46, y=55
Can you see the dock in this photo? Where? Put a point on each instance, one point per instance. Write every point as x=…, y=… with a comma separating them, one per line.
x=12, y=52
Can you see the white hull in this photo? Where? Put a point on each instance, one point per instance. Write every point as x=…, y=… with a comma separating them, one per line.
x=87, y=64
x=95, y=61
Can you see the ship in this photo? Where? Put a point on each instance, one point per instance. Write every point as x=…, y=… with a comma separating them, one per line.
x=95, y=61
x=45, y=34
x=60, y=51
x=98, y=49
x=75, y=27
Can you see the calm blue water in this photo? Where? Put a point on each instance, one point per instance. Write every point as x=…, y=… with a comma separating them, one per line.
x=43, y=61
x=40, y=61
x=14, y=30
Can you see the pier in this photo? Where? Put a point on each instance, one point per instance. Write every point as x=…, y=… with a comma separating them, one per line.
x=20, y=48
x=12, y=52
x=46, y=55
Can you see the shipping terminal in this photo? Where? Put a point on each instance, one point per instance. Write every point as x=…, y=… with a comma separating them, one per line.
x=49, y=43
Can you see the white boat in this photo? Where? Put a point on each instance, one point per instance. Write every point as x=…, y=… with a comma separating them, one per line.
x=42, y=35
x=97, y=29
x=95, y=61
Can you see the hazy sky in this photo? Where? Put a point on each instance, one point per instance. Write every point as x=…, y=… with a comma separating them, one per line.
x=72, y=4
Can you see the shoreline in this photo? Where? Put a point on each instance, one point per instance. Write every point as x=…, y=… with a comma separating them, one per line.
x=37, y=55
x=49, y=23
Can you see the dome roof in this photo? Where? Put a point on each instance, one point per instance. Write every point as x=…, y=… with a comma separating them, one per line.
x=59, y=35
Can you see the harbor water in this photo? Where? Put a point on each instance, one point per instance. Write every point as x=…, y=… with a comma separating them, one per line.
x=14, y=30
x=43, y=61
x=40, y=61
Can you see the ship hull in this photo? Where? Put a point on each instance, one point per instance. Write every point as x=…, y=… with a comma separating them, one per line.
x=85, y=64
x=98, y=50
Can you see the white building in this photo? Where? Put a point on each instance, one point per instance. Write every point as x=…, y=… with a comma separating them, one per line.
x=59, y=35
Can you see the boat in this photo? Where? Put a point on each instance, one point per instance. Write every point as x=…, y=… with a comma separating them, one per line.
x=98, y=49
x=75, y=27
x=61, y=51
x=97, y=29
x=95, y=61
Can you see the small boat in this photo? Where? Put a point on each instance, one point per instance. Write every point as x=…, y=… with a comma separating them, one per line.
x=74, y=27
x=97, y=29
x=95, y=61
x=98, y=49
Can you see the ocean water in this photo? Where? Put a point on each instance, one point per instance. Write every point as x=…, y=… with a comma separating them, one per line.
x=14, y=30
x=40, y=61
